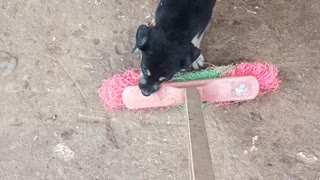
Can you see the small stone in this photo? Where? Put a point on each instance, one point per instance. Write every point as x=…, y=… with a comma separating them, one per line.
x=67, y=134
x=123, y=130
x=63, y=152
x=54, y=50
x=8, y=64
x=307, y=158
x=77, y=33
x=96, y=41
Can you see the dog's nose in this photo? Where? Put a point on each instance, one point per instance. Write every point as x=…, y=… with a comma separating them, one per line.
x=148, y=87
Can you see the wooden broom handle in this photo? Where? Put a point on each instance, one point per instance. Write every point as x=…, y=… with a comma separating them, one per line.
x=200, y=163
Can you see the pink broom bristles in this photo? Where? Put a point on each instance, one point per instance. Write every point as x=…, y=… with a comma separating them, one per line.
x=111, y=91
x=267, y=75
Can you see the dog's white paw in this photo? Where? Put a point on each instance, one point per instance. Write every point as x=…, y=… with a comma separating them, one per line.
x=198, y=63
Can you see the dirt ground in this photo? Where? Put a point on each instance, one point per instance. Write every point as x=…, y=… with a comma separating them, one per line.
x=53, y=126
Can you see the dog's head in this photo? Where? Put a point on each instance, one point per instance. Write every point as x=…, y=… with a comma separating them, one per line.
x=161, y=58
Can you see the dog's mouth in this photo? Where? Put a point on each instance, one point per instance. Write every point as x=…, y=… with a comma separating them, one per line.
x=146, y=93
x=147, y=89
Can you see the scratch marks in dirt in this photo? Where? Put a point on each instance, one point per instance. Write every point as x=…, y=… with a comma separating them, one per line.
x=121, y=131
x=76, y=85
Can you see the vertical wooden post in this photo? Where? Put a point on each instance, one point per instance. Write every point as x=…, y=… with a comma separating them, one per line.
x=199, y=152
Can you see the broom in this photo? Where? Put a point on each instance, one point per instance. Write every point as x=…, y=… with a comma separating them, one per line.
x=194, y=88
x=111, y=92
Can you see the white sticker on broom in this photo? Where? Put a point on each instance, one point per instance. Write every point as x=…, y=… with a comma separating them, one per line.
x=241, y=90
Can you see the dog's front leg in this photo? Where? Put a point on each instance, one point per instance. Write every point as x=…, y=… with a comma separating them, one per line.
x=199, y=62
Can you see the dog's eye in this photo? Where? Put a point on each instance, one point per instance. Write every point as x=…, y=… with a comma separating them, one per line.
x=145, y=71
x=162, y=79
x=148, y=73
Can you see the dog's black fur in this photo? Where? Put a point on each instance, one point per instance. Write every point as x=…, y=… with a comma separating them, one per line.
x=167, y=46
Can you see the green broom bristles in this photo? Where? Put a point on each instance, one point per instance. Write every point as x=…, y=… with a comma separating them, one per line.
x=210, y=73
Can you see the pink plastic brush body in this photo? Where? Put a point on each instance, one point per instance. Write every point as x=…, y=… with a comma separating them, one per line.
x=213, y=90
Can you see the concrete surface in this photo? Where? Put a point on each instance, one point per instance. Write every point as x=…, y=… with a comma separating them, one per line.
x=53, y=127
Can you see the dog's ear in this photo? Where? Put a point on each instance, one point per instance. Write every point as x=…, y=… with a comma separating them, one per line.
x=141, y=38
x=191, y=57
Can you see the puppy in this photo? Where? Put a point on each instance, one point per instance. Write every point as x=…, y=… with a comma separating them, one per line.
x=172, y=44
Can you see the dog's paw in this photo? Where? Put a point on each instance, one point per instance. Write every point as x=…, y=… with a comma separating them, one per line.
x=198, y=63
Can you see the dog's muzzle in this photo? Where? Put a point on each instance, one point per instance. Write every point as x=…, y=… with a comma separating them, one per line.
x=147, y=88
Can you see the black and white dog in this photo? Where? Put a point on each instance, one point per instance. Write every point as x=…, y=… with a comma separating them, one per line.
x=172, y=44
